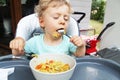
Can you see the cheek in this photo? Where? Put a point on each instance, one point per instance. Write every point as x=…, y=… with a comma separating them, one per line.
x=49, y=21
x=51, y=24
x=66, y=25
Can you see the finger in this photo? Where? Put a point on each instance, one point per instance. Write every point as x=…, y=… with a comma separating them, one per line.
x=12, y=46
x=17, y=53
x=77, y=41
x=21, y=48
x=21, y=45
x=16, y=44
x=21, y=52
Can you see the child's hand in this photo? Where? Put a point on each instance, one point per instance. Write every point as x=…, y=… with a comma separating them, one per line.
x=17, y=53
x=77, y=41
x=17, y=44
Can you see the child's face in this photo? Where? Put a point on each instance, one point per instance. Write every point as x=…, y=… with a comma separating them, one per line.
x=55, y=18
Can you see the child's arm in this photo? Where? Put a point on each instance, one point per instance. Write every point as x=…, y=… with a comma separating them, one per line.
x=77, y=41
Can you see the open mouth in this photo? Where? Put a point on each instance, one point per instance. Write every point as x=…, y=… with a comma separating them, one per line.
x=61, y=31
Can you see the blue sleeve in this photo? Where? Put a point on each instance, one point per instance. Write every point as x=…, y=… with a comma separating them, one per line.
x=72, y=48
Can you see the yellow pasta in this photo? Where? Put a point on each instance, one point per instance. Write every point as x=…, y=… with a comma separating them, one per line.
x=56, y=34
x=51, y=66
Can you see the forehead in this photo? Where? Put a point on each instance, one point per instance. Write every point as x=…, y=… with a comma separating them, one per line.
x=58, y=10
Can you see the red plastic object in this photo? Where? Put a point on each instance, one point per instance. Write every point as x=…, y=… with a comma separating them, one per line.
x=92, y=48
x=91, y=43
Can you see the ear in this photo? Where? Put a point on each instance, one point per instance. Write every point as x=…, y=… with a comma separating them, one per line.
x=41, y=21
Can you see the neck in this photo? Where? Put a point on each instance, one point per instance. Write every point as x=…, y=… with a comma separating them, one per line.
x=52, y=41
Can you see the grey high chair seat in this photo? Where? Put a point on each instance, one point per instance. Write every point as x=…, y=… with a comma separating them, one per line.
x=29, y=26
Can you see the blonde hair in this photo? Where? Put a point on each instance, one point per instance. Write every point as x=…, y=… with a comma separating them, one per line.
x=44, y=4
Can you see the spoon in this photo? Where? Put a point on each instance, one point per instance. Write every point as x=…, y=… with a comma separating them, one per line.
x=62, y=32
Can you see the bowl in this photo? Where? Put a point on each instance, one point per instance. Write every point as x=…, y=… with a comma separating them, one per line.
x=66, y=75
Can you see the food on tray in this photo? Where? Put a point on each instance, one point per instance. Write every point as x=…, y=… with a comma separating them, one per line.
x=52, y=66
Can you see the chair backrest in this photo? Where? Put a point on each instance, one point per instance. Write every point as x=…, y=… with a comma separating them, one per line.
x=74, y=28
x=81, y=17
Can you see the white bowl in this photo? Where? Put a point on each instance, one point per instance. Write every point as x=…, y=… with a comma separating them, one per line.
x=53, y=76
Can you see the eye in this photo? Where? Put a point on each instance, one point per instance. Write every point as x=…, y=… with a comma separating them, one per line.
x=56, y=17
x=66, y=18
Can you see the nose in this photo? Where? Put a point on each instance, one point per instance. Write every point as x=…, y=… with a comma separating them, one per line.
x=62, y=21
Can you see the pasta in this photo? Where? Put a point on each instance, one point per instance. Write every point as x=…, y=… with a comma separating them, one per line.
x=56, y=34
x=52, y=66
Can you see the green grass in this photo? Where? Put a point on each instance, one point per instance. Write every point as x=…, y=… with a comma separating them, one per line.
x=96, y=25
